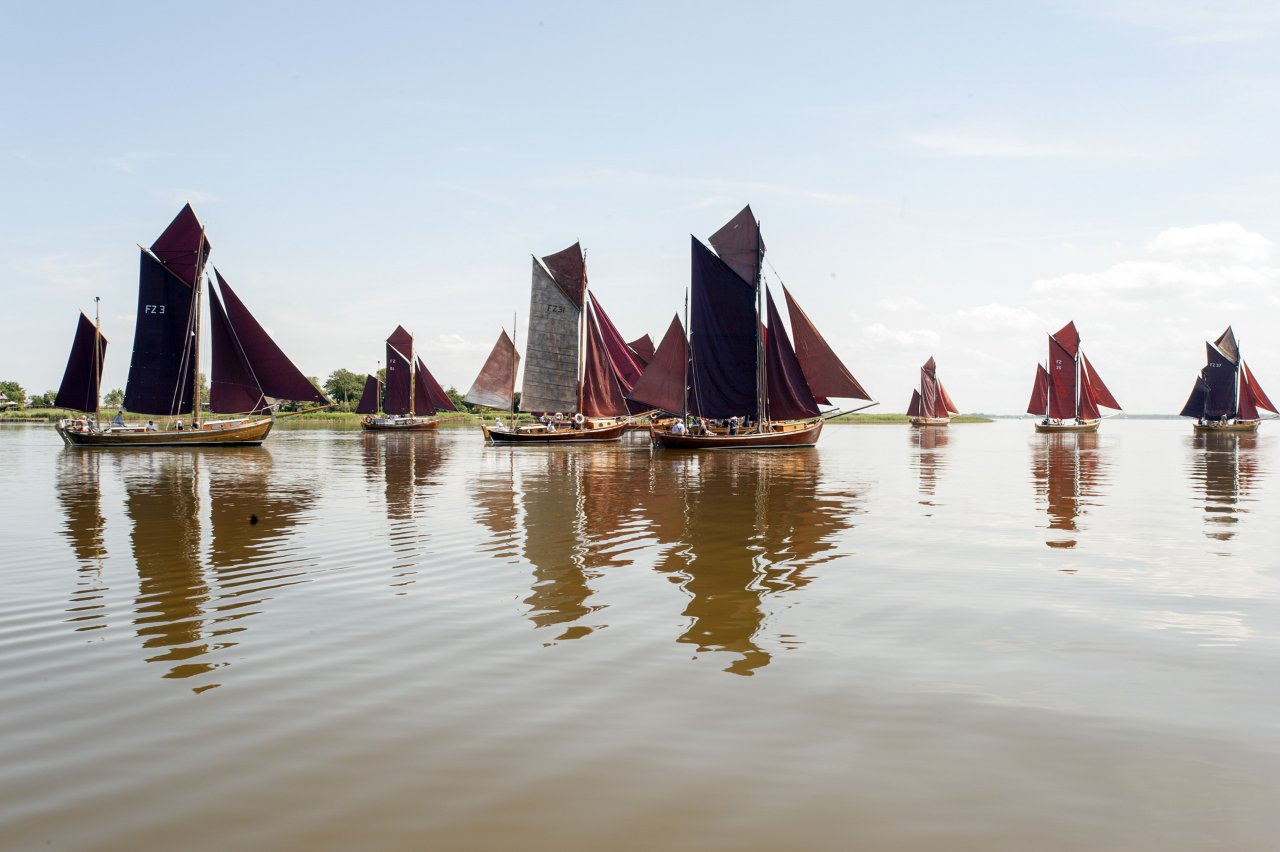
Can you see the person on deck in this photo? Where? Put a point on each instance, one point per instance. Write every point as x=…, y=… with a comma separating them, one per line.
x=151, y=426
x=118, y=420
x=677, y=428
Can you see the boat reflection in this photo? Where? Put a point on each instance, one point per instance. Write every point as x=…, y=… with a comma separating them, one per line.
x=79, y=492
x=407, y=466
x=731, y=530
x=1226, y=466
x=1069, y=474
x=929, y=459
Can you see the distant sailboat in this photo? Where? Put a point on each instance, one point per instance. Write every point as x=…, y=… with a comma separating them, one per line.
x=931, y=405
x=735, y=367
x=250, y=373
x=1226, y=396
x=1067, y=396
x=412, y=393
x=577, y=366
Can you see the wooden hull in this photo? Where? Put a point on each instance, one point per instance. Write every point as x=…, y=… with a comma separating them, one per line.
x=244, y=433
x=1052, y=428
x=930, y=421
x=539, y=435
x=1224, y=428
x=783, y=436
x=407, y=424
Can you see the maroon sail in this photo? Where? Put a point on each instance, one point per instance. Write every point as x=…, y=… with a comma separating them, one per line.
x=372, y=396
x=1097, y=389
x=80, y=381
x=233, y=389
x=1039, y=404
x=914, y=409
x=568, y=269
x=788, y=396
x=1069, y=338
x=1062, y=390
x=1198, y=402
x=739, y=245
x=1228, y=345
x=642, y=348
x=428, y=396
x=945, y=399
x=399, y=395
x=826, y=375
x=162, y=370
x=624, y=362
x=601, y=394
x=663, y=384
x=1256, y=393
x=493, y=388
x=1087, y=405
x=183, y=248
x=276, y=375
x=929, y=389
x=1248, y=407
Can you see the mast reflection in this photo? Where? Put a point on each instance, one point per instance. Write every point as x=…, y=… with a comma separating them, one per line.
x=1069, y=473
x=1226, y=467
x=929, y=459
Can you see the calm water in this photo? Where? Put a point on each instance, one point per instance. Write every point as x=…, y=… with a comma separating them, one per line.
x=976, y=638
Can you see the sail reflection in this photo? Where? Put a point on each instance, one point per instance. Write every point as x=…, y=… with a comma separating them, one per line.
x=1069, y=473
x=1226, y=466
x=929, y=459
x=79, y=491
x=407, y=466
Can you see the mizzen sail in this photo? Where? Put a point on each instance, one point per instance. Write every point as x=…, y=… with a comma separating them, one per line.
x=371, y=398
x=81, y=379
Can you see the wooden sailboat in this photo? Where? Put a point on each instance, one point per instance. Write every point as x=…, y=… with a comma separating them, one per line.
x=1068, y=398
x=931, y=405
x=1226, y=396
x=736, y=382
x=412, y=393
x=249, y=375
x=571, y=377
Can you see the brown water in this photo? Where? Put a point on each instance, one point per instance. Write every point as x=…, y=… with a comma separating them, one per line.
x=976, y=638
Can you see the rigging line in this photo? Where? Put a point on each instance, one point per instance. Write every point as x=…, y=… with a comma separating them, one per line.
x=180, y=387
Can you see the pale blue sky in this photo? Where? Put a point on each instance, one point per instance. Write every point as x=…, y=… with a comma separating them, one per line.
x=933, y=178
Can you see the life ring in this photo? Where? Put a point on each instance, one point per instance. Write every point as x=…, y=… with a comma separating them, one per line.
x=579, y=419
x=559, y=417
x=368, y=420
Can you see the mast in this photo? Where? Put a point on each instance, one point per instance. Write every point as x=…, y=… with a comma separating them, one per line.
x=413, y=388
x=762, y=386
x=582, y=333
x=684, y=412
x=97, y=360
x=514, y=367
x=195, y=391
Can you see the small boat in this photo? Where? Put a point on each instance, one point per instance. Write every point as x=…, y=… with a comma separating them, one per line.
x=736, y=382
x=249, y=375
x=1069, y=398
x=575, y=398
x=1226, y=396
x=931, y=405
x=411, y=392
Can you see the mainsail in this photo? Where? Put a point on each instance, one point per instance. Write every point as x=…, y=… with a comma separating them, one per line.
x=494, y=386
x=81, y=379
x=555, y=308
x=399, y=396
x=722, y=329
x=371, y=398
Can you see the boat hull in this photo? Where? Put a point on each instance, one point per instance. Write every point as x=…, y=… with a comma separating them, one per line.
x=541, y=435
x=413, y=424
x=1053, y=428
x=1236, y=426
x=243, y=433
x=804, y=434
x=930, y=421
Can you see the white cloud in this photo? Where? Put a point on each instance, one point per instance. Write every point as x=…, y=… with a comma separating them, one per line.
x=912, y=338
x=1223, y=241
x=996, y=317
x=900, y=305
x=960, y=144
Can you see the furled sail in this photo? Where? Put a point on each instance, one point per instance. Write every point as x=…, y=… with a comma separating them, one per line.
x=788, y=396
x=399, y=396
x=662, y=384
x=825, y=373
x=371, y=397
x=428, y=396
x=551, y=371
x=1039, y=404
x=493, y=386
x=723, y=338
x=642, y=348
x=80, y=381
x=601, y=393
x=929, y=389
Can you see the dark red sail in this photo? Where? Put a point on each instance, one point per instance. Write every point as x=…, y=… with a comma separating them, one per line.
x=625, y=364
x=1069, y=338
x=1087, y=405
x=494, y=386
x=1039, y=404
x=568, y=269
x=945, y=399
x=162, y=370
x=788, y=396
x=80, y=381
x=1248, y=408
x=182, y=248
x=1097, y=389
x=739, y=245
x=914, y=409
x=723, y=338
x=372, y=396
x=275, y=373
x=1220, y=373
x=1062, y=389
x=233, y=389
x=428, y=396
x=643, y=349
x=1228, y=345
x=662, y=386
x=398, y=398
x=1256, y=393
x=601, y=393
x=1199, y=399
x=825, y=373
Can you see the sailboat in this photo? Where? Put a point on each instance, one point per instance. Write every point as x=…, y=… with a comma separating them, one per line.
x=571, y=377
x=412, y=393
x=1226, y=396
x=931, y=405
x=1068, y=398
x=249, y=375
x=737, y=375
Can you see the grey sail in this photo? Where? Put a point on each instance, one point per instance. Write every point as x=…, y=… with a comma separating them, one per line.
x=551, y=354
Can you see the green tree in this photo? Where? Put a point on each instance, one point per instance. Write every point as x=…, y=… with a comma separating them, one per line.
x=203, y=382
x=455, y=396
x=44, y=400
x=344, y=387
x=15, y=392
x=113, y=399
